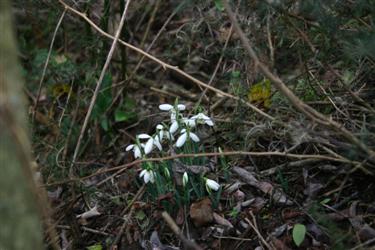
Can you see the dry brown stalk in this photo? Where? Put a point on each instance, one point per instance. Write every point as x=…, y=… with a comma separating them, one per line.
x=46, y=64
x=177, y=231
x=98, y=84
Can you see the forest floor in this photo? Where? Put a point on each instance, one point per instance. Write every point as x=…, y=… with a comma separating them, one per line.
x=279, y=150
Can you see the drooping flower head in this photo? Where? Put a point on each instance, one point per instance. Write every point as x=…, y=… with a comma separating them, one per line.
x=136, y=150
x=184, y=136
x=174, y=111
x=148, y=175
x=211, y=185
x=202, y=119
x=185, y=179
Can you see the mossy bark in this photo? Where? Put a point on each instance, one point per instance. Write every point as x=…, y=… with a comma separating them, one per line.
x=20, y=226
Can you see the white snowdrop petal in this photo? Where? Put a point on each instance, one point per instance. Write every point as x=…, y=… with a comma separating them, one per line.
x=146, y=177
x=212, y=184
x=194, y=137
x=149, y=144
x=142, y=173
x=143, y=136
x=204, y=117
x=165, y=107
x=181, y=107
x=130, y=147
x=137, y=152
x=183, y=130
x=173, y=127
x=181, y=140
x=159, y=126
x=209, y=122
x=185, y=179
x=157, y=143
x=161, y=135
x=152, y=176
x=192, y=123
x=189, y=122
x=194, y=117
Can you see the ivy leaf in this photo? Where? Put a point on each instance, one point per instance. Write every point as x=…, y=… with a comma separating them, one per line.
x=95, y=247
x=261, y=93
x=219, y=5
x=120, y=115
x=299, y=233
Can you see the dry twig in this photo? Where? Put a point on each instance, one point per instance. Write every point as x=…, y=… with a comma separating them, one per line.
x=46, y=64
x=98, y=84
x=177, y=231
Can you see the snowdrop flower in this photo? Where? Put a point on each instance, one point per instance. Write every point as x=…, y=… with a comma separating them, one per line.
x=149, y=144
x=191, y=123
x=173, y=127
x=162, y=132
x=169, y=107
x=185, y=179
x=148, y=176
x=173, y=110
x=182, y=139
x=136, y=150
x=156, y=142
x=202, y=119
x=143, y=136
x=212, y=185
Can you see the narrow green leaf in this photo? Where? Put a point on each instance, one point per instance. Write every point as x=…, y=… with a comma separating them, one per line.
x=325, y=201
x=104, y=123
x=299, y=233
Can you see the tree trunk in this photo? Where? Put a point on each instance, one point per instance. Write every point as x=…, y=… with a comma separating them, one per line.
x=20, y=226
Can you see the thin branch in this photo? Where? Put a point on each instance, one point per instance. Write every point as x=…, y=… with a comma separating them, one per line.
x=217, y=65
x=177, y=231
x=46, y=64
x=123, y=167
x=143, y=56
x=255, y=228
x=98, y=84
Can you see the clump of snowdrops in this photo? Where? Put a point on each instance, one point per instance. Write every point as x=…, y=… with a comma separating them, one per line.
x=176, y=135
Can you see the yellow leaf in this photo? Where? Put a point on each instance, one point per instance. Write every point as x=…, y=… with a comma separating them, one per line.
x=261, y=93
x=60, y=89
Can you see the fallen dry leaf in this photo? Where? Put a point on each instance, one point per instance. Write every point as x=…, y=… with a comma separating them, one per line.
x=201, y=212
x=266, y=187
x=221, y=220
